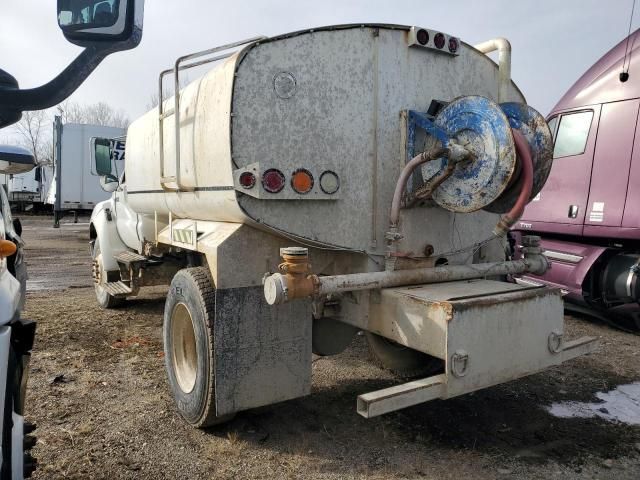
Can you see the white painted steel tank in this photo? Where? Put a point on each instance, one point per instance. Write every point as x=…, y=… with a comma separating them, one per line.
x=323, y=100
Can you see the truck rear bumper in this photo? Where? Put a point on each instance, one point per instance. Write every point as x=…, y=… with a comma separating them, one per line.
x=486, y=332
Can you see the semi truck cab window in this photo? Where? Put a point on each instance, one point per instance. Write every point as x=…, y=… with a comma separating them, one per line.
x=572, y=134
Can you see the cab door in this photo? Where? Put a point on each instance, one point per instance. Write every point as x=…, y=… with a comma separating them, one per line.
x=564, y=198
x=611, y=162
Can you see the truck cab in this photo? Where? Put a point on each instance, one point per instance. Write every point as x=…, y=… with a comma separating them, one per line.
x=587, y=212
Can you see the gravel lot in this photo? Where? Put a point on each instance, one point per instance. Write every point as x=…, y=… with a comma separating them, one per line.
x=99, y=397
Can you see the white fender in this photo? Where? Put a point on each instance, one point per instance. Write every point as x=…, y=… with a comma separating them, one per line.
x=103, y=227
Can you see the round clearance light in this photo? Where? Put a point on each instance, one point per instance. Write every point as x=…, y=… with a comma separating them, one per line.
x=247, y=180
x=453, y=45
x=273, y=180
x=329, y=182
x=422, y=36
x=302, y=181
x=439, y=40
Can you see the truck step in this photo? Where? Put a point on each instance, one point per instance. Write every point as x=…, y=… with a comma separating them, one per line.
x=127, y=257
x=117, y=288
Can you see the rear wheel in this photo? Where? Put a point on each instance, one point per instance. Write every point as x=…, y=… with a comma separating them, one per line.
x=401, y=360
x=188, y=346
x=101, y=276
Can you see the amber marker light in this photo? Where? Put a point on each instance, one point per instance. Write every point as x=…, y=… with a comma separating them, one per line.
x=302, y=181
x=7, y=248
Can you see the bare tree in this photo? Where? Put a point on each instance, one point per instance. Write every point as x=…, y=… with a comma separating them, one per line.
x=35, y=135
x=96, y=114
x=167, y=92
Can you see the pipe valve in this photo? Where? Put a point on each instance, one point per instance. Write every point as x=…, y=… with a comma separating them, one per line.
x=294, y=279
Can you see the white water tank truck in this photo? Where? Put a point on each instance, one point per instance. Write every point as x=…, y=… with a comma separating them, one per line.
x=329, y=181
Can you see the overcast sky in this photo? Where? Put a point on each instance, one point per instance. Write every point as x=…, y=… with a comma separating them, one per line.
x=554, y=41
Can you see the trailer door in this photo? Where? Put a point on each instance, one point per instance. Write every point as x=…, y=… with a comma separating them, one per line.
x=611, y=162
x=563, y=199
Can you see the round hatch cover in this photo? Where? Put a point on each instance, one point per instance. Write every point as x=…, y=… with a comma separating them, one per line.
x=284, y=84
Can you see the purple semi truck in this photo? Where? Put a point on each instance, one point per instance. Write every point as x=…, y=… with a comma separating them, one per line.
x=588, y=213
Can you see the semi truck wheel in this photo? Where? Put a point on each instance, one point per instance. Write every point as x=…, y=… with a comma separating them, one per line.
x=188, y=346
x=104, y=298
x=401, y=360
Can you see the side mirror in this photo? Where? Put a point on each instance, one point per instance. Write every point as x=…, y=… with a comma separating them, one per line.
x=109, y=183
x=100, y=152
x=87, y=22
x=15, y=160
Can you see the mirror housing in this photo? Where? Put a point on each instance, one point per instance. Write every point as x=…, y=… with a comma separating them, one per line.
x=103, y=27
x=112, y=22
x=17, y=226
x=109, y=183
x=15, y=160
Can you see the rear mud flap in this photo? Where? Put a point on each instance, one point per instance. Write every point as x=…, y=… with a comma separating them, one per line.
x=262, y=353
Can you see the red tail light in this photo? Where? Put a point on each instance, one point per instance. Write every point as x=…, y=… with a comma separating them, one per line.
x=453, y=45
x=247, y=180
x=422, y=36
x=273, y=180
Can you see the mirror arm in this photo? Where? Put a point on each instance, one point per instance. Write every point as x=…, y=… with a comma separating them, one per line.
x=60, y=87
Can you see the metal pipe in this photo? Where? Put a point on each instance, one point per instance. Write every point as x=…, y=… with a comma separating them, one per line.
x=503, y=47
x=408, y=169
x=283, y=287
x=386, y=279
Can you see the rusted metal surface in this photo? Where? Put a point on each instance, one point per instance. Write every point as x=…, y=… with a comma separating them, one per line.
x=534, y=127
x=279, y=288
x=480, y=126
x=471, y=326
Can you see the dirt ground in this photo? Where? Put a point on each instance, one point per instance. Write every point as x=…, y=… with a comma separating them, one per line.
x=101, y=402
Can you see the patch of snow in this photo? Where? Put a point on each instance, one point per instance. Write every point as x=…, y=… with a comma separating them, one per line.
x=619, y=405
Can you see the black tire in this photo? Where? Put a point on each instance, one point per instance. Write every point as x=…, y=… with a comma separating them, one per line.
x=104, y=299
x=189, y=358
x=401, y=360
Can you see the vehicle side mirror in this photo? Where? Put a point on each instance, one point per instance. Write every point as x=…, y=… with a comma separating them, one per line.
x=15, y=160
x=87, y=22
x=17, y=226
x=109, y=183
x=101, y=163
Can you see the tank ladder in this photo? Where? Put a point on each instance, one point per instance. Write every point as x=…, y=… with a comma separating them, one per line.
x=174, y=183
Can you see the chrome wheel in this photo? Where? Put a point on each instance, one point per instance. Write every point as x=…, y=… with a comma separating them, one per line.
x=184, y=355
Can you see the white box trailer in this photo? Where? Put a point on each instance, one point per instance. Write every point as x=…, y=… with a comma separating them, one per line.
x=75, y=184
x=285, y=199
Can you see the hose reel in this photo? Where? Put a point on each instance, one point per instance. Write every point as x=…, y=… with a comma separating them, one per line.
x=490, y=180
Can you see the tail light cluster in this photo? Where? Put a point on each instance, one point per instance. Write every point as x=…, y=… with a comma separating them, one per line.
x=302, y=181
x=422, y=37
